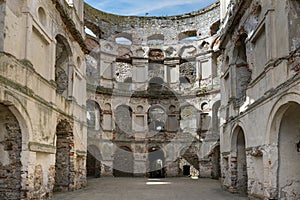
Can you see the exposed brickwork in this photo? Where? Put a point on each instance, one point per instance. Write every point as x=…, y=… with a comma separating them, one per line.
x=64, y=175
x=80, y=174
x=36, y=83
x=10, y=148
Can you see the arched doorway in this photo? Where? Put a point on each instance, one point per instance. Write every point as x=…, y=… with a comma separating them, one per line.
x=289, y=153
x=10, y=155
x=239, y=176
x=64, y=144
x=156, y=160
x=123, y=162
x=93, y=162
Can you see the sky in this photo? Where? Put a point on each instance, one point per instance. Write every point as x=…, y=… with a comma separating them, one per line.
x=149, y=7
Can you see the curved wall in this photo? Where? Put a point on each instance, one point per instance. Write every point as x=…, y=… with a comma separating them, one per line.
x=147, y=62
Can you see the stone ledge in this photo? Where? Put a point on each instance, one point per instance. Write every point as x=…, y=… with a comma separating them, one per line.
x=44, y=148
x=81, y=153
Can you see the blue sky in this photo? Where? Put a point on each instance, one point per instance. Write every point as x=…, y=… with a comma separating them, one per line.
x=151, y=7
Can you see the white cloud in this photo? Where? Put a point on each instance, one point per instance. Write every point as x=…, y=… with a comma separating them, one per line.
x=147, y=7
x=130, y=7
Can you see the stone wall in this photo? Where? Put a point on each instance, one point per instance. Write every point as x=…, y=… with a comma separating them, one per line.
x=261, y=71
x=10, y=151
x=169, y=64
x=28, y=88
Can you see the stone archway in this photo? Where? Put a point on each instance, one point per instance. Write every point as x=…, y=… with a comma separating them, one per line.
x=64, y=162
x=123, y=162
x=239, y=178
x=10, y=155
x=156, y=160
x=93, y=162
x=289, y=152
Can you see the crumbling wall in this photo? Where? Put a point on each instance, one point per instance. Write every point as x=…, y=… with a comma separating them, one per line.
x=156, y=68
x=123, y=71
x=10, y=159
x=28, y=82
x=80, y=172
x=188, y=71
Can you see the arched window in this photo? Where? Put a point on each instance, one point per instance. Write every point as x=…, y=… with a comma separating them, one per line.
x=189, y=118
x=93, y=114
x=188, y=112
x=187, y=36
x=155, y=39
x=216, y=118
x=123, y=119
x=42, y=16
x=243, y=74
x=123, y=39
x=62, y=75
x=156, y=118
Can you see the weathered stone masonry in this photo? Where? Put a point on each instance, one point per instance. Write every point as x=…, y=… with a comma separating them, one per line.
x=260, y=98
x=10, y=149
x=149, y=96
x=42, y=79
x=158, y=77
